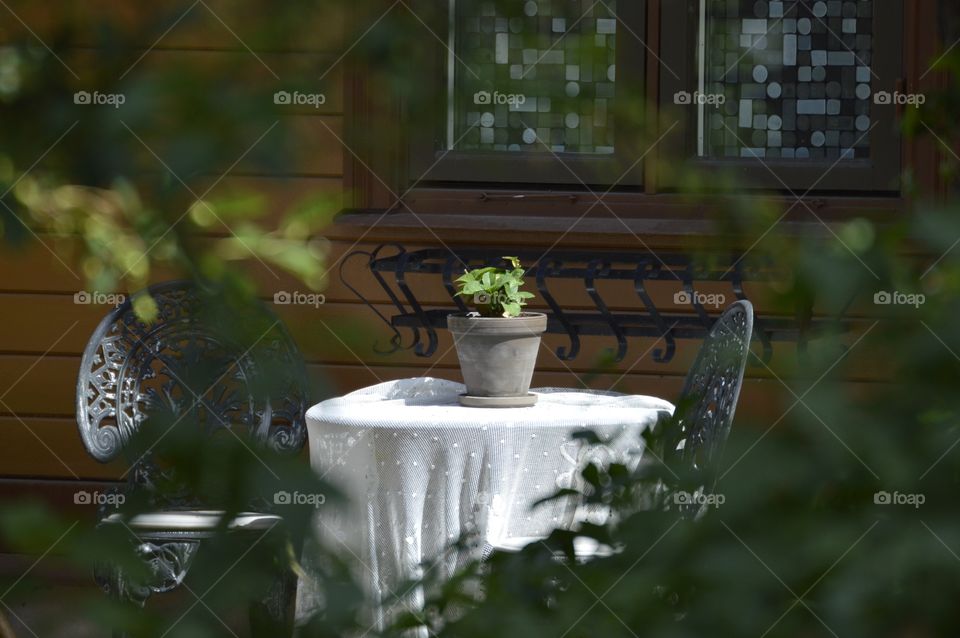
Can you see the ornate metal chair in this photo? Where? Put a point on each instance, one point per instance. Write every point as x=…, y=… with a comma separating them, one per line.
x=696, y=434
x=132, y=371
x=691, y=440
x=693, y=437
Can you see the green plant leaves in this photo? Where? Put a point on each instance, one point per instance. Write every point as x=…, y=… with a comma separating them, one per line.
x=511, y=309
x=496, y=291
x=471, y=287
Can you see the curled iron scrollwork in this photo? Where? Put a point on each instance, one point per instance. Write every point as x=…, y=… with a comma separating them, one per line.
x=167, y=565
x=132, y=369
x=609, y=315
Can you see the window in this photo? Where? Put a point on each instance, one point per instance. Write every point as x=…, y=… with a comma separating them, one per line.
x=788, y=93
x=547, y=84
x=537, y=77
x=557, y=95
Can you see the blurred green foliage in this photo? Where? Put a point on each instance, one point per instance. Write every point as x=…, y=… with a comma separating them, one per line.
x=803, y=545
x=118, y=161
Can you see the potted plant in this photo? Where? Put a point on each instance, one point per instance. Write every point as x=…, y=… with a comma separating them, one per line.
x=497, y=343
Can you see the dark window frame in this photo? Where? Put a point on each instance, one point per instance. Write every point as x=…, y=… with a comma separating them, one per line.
x=377, y=175
x=431, y=165
x=878, y=174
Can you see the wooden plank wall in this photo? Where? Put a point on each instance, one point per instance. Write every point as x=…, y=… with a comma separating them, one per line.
x=43, y=332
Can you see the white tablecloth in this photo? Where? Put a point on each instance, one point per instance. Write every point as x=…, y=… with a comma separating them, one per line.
x=420, y=470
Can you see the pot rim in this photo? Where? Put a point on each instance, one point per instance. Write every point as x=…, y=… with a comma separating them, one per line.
x=522, y=315
x=528, y=323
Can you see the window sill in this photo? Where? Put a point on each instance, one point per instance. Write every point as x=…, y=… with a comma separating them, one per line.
x=562, y=231
x=574, y=219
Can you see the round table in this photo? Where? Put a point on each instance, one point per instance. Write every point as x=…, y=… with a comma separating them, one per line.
x=420, y=471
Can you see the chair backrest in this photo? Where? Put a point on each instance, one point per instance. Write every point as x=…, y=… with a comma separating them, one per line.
x=707, y=403
x=198, y=360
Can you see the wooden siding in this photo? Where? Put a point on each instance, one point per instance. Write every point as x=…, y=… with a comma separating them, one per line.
x=43, y=332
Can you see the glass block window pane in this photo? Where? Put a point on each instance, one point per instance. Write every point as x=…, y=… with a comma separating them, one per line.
x=532, y=76
x=785, y=79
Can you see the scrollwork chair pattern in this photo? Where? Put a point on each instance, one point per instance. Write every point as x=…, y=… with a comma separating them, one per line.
x=131, y=369
x=202, y=362
x=709, y=398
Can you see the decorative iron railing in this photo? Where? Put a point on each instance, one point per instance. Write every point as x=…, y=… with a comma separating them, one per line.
x=391, y=273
